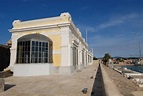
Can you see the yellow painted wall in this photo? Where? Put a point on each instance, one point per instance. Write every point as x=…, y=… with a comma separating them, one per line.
x=56, y=38
x=56, y=59
x=39, y=31
x=56, y=41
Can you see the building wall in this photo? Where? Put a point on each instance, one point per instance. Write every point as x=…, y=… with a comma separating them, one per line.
x=4, y=57
x=56, y=38
x=62, y=33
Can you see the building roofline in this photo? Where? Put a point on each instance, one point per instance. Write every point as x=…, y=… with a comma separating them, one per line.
x=59, y=24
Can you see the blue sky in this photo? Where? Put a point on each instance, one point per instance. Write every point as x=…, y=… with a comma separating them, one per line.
x=113, y=26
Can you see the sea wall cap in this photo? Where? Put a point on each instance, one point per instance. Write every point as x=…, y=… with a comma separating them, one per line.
x=66, y=14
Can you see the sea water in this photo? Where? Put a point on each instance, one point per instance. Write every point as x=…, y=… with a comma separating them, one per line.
x=135, y=68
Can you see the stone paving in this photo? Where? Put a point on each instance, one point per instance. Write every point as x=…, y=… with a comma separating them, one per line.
x=52, y=85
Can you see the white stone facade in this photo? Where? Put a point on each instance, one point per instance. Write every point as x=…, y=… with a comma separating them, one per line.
x=70, y=51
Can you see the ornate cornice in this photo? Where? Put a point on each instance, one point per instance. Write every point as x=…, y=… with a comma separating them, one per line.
x=39, y=27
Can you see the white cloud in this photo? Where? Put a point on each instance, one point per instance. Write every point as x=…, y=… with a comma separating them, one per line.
x=112, y=22
x=123, y=41
x=117, y=45
x=101, y=41
x=115, y=21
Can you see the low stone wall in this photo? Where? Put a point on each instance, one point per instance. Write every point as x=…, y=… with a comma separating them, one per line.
x=1, y=82
x=110, y=87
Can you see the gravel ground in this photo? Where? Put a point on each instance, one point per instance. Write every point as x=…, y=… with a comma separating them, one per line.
x=124, y=85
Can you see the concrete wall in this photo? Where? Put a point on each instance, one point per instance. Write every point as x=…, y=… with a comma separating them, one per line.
x=32, y=69
x=109, y=85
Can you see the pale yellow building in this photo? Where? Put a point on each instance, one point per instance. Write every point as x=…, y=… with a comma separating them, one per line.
x=46, y=46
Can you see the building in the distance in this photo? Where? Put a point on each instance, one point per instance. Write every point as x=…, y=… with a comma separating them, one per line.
x=47, y=46
x=4, y=57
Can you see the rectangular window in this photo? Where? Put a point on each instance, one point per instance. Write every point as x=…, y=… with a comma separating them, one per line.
x=23, y=52
x=75, y=56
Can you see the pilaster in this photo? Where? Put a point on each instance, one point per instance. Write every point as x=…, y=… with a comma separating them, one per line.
x=66, y=67
x=13, y=50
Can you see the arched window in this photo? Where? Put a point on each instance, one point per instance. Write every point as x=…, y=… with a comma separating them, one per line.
x=34, y=48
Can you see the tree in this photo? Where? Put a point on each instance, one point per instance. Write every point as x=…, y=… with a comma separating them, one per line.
x=94, y=58
x=106, y=58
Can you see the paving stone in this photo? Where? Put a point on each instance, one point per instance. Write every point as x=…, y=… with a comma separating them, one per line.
x=51, y=85
x=1, y=85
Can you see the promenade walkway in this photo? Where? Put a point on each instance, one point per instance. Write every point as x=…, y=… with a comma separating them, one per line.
x=53, y=85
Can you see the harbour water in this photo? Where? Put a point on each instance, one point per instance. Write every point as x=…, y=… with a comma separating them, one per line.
x=132, y=72
x=135, y=68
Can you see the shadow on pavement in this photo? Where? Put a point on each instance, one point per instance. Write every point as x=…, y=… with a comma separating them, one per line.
x=98, y=88
x=8, y=86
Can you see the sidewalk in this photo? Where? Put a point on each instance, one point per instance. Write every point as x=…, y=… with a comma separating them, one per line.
x=52, y=85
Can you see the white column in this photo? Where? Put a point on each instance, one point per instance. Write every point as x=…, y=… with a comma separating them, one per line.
x=79, y=56
x=66, y=67
x=13, y=51
x=79, y=59
x=71, y=55
x=85, y=58
x=65, y=48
